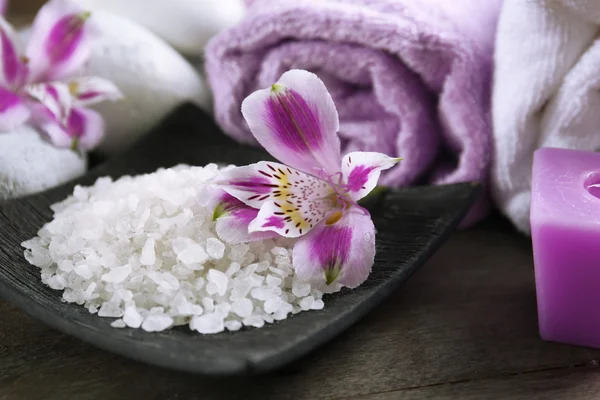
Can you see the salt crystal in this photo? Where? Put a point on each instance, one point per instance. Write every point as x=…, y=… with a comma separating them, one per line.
x=280, y=251
x=217, y=282
x=102, y=208
x=243, y=307
x=157, y=323
x=84, y=271
x=306, y=303
x=238, y=252
x=56, y=282
x=117, y=275
x=254, y=320
x=300, y=289
x=233, y=325
x=132, y=317
x=234, y=267
x=223, y=309
x=110, y=310
x=118, y=324
x=208, y=323
x=283, y=311
x=215, y=248
x=273, y=281
x=273, y=304
x=208, y=304
x=189, y=252
x=148, y=255
x=317, y=305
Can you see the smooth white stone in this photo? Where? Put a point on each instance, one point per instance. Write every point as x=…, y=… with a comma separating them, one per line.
x=29, y=164
x=185, y=24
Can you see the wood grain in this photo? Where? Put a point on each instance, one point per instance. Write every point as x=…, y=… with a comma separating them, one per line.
x=463, y=327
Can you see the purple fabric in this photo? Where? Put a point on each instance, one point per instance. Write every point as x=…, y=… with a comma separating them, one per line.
x=410, y=78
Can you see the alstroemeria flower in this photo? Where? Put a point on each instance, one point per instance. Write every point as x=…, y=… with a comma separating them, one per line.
x=313, y=196
x=61, y=113
x=35, y=79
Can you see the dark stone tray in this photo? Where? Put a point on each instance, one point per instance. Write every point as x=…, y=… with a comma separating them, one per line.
x=411, y=223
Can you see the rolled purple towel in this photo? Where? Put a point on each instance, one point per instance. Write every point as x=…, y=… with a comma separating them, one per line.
x=410, y=78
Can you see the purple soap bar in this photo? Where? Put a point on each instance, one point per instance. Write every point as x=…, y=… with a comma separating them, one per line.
x=565, y=229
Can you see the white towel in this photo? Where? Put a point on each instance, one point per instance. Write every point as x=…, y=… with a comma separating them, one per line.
x=546, y=91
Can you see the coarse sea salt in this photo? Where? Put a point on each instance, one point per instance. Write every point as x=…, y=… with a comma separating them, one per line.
x=144, y=250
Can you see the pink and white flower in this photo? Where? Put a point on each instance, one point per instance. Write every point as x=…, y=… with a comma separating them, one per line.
x=37, y=80
x=314, y=195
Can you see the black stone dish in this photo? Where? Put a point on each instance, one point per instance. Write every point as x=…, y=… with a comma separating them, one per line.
x=411, y=223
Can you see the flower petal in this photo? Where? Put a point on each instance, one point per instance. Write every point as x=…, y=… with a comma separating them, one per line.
x=3, y=6
x=258, y=183
x=343, y=252
x=92, y=90
x=87, y=126
x=13, y=110
x=48, y=123
x=13, y=71
x=291, y=218
x=60, y=41
x=54, y=96
x=361, y=171
x=296, y=121
x=232, y=220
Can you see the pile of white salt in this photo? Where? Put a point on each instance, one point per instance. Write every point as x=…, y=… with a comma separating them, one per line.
x=144, y=250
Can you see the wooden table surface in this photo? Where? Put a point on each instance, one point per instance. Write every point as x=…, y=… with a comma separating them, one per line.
x=463, y=327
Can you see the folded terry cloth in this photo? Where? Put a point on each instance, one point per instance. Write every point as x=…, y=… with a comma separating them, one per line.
x=546, y=91
x=410, y=78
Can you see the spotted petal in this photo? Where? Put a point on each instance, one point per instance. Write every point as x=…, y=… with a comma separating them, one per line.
x=13, y=110
x=361, y=171
x=293, y=217
x=60, y=41
x=232, y=219
x=265, y=181
x=342, y=252
x=13, y=70
x=296, y=121
x=91, y=90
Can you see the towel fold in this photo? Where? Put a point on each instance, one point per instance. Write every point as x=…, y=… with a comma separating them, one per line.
x=546, y=91
x=410, y=78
